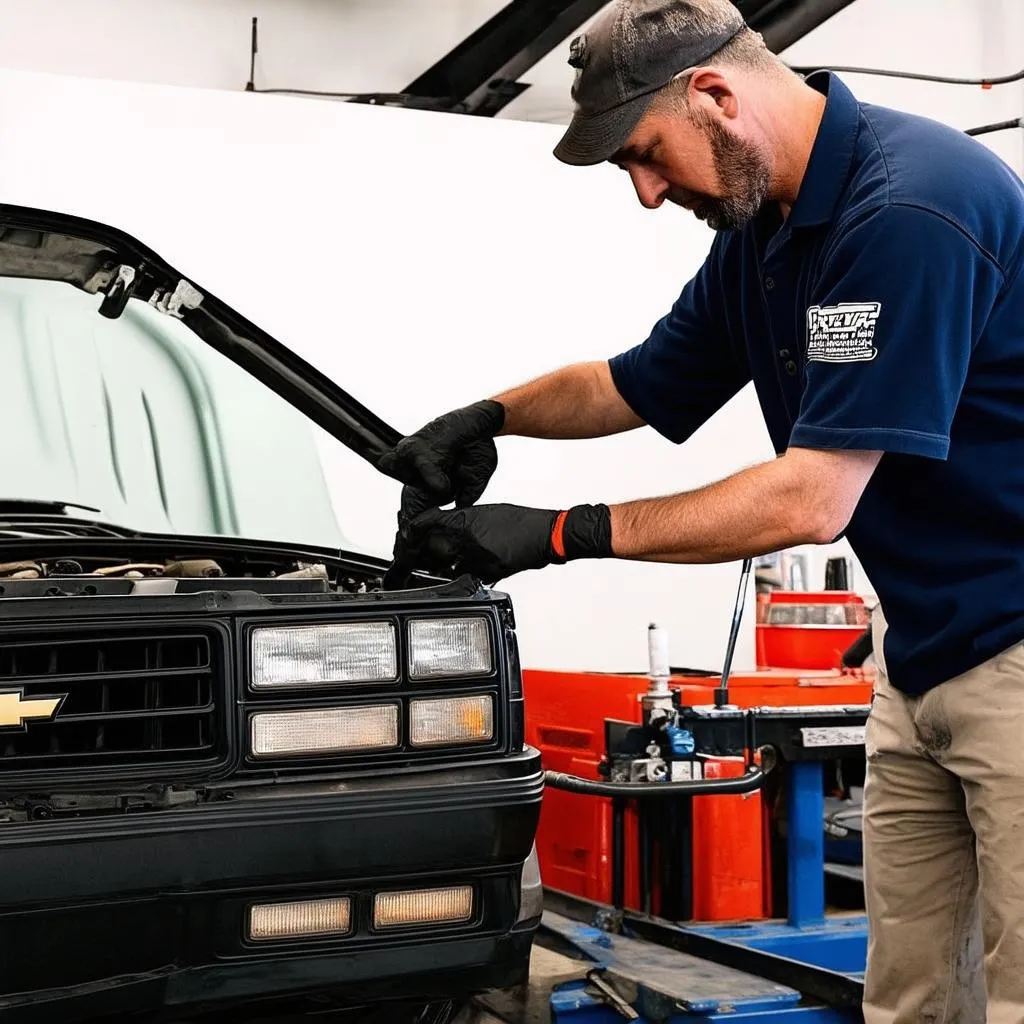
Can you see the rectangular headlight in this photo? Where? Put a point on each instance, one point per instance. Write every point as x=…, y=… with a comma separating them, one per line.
x=449, y=647
x=350, y=652
x=295, y=920
x=324, y=731
x=423, y=906
x=451, y=720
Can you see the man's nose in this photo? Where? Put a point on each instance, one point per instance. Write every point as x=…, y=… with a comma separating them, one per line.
x=651, y=188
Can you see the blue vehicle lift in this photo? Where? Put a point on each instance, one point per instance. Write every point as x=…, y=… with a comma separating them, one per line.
x=806, y=969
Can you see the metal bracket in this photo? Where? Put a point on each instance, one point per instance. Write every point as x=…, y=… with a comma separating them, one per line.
x=610, y=996
x=184, y=296
x=118, y=292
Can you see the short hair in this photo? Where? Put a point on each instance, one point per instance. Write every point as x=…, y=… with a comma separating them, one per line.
x=747, y=49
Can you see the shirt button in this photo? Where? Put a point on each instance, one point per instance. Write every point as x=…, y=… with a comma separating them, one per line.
x=769, y=283
x=791, y=368
x=783, y=353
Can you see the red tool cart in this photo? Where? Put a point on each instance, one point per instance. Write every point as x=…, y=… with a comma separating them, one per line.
x=803, y=635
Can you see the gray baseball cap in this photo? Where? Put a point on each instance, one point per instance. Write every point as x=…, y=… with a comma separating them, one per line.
x=633, y=49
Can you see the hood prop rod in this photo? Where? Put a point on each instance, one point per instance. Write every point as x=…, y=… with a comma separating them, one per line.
x=722, y=690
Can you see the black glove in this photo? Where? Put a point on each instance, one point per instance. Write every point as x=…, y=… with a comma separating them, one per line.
x=452, y=458
x=491, y=542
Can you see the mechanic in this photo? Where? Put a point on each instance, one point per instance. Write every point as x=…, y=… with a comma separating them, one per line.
x=865, y=274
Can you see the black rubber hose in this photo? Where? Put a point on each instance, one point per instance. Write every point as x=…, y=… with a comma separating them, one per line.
x=618, y=852
x=749, y=782
x=998, y=126
x=858, y=652
x=917, y=76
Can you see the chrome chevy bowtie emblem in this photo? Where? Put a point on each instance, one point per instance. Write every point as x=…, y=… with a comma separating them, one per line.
x=16, y=710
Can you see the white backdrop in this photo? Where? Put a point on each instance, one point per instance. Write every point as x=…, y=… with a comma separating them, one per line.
x=428, y=260
x=423, y=261
x=382, y=45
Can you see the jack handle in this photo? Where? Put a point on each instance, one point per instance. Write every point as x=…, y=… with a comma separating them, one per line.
x=752, y=780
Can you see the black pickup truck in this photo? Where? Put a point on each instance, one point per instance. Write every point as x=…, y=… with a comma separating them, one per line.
x=236, y=773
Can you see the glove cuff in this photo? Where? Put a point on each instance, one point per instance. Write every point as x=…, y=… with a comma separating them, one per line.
x=583, y=531
x=492, y=416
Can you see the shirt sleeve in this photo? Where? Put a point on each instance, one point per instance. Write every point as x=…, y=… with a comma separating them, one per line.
x=687, y=369
x=902, y=299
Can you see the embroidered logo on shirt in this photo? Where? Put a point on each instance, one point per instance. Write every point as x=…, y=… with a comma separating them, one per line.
x=843, y=333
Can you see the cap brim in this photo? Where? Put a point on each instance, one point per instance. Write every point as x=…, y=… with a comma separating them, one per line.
x=593, y=138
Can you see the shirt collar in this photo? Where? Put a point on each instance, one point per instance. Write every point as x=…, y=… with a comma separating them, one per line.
x=831, y=155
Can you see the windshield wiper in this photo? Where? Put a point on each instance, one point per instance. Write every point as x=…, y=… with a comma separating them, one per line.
x=30, y=517
x=37, y=527
x=27, y=506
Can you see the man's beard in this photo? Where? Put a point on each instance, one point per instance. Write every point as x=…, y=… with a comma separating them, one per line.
x=744, y=175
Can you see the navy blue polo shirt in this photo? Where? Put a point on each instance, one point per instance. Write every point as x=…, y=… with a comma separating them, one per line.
x=885, y=313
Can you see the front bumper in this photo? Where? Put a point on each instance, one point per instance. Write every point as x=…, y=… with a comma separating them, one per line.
x=149, y=911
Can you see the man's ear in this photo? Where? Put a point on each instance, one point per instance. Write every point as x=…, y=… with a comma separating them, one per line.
x=710, y=88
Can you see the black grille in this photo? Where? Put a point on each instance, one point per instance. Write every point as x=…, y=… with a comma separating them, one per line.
x=125, y=699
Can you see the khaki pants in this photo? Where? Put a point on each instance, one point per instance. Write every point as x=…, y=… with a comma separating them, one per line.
x=944, y=848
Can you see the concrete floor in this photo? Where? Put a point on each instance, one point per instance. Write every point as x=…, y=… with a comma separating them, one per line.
x=529, y=1004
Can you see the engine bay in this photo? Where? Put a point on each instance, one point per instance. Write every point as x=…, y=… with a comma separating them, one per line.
x=101, y=575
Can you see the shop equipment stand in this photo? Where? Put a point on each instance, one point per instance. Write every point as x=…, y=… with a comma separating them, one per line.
x=661, y=968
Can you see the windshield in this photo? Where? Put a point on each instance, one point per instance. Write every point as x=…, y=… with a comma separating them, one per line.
x=138, y=417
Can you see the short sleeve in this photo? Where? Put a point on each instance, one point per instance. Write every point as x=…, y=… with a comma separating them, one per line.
x=901, y=301
x=687, y=368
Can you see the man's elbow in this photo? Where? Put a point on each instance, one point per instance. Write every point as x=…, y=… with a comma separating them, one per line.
x=825, y=489
x=806, y=523
x=818, y=517
x=828, y=527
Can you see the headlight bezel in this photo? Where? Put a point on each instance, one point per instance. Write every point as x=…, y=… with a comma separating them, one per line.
x=448, y=744
x=496, y=685
x=448, y=678
x=401, y=739
x=317, y=686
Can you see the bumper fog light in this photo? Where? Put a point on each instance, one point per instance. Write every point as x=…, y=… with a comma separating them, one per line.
x=451, y=720
x=295, y=920
x=357, y=652
x=423, y=906
x=449, y=647
x=325, y=731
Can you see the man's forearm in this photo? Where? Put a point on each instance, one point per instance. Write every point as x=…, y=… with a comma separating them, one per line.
x=578, y=401
x=805, y=496
x=766, y=508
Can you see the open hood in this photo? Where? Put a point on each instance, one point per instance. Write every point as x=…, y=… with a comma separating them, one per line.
x=103, y=260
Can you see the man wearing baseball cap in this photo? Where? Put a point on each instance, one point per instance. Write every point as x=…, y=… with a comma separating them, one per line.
x=866, y=276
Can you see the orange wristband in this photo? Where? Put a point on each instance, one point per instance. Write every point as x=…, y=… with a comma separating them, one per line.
x=557, y=539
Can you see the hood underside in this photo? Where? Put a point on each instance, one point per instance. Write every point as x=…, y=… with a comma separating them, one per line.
x=102, y=260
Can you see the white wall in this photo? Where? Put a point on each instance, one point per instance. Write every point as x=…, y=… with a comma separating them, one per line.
x=418, y=282
x=427, y=260
x=335, y=45
x=381, y=45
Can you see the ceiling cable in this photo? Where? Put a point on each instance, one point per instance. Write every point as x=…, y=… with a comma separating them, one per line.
x=998, y=126
x=397, y=99
x=985, y=83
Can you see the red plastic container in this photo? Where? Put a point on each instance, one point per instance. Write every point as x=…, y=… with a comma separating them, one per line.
x=807, y=629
